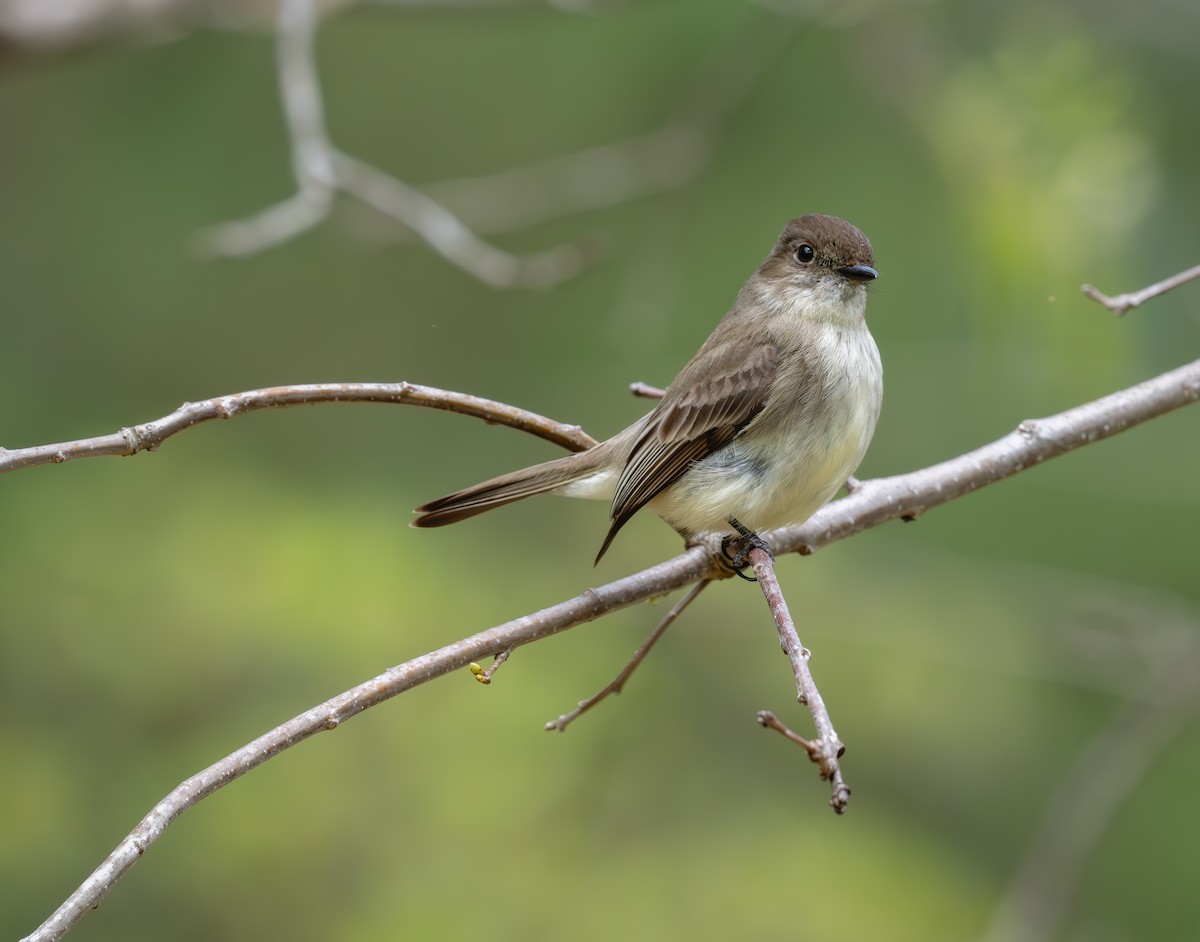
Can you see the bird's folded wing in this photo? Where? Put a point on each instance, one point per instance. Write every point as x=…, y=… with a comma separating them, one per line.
x=714, y=397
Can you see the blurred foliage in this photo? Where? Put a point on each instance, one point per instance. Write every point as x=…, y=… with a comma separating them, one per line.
x=162, y=611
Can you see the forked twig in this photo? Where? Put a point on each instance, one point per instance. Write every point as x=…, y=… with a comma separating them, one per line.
x=322, y=172
x=1123, y=302
x=827, y=748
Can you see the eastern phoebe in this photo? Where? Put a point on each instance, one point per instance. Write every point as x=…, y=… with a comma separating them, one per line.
x=760, y=429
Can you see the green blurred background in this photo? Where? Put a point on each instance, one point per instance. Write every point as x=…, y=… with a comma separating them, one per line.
x=1014, y=674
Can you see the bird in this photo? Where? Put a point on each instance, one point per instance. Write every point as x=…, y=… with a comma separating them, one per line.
x=759, y=429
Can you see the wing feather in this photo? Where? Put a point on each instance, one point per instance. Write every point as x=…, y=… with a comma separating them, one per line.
x=714, y=397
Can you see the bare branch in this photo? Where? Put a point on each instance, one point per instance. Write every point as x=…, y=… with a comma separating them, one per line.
x=617, y=684
x=150, y=435
x=321, y=172
x=1123, y=302
x=828, y=748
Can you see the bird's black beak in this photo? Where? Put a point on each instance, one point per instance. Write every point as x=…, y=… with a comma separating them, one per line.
x=859, y=273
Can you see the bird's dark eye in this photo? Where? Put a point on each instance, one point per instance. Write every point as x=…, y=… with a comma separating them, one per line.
x=805, y=254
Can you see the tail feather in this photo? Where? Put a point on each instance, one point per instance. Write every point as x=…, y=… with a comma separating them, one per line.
x=501, y=490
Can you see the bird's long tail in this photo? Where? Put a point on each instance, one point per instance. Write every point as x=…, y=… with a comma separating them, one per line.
x=505, y=489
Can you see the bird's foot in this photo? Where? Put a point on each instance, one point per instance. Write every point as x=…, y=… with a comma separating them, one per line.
x=736, y=549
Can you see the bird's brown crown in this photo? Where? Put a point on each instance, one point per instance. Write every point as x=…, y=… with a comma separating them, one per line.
x=834, y=243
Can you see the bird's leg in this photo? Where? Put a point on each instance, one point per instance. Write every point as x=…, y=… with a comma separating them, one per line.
x=737, y=549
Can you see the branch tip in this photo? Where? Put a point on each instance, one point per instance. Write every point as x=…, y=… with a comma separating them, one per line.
x=646, y=391
x=1122, y=303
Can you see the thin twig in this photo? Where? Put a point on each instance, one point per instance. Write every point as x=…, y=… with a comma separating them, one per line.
x=828, y=748
x=646, y=391
x=150, y=435
x=1123, y=302
x=617, y=684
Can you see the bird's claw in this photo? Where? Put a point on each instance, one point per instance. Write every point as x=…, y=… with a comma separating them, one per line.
x=736, y=550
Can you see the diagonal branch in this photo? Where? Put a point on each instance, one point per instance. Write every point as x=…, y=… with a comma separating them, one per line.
x=1033, y=441
x=589, y=606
